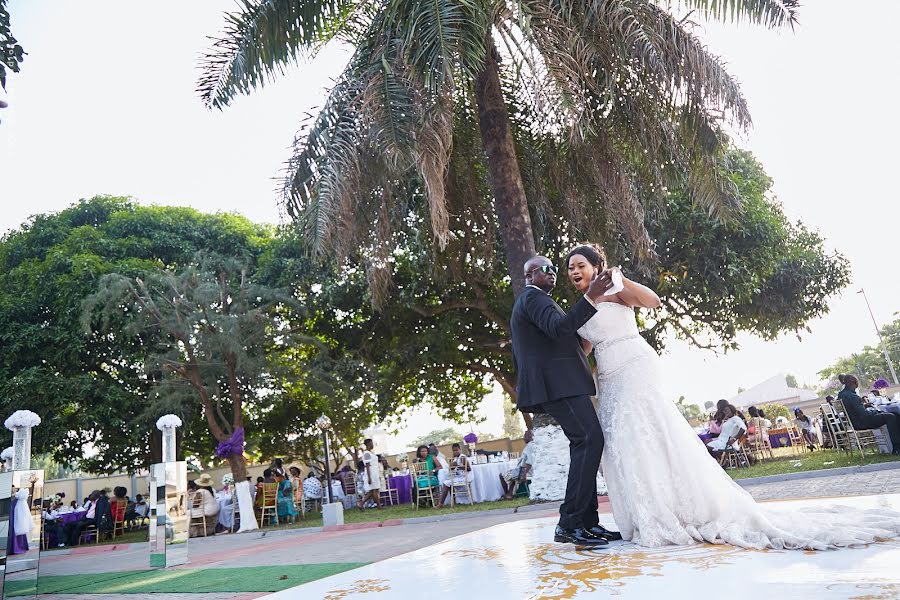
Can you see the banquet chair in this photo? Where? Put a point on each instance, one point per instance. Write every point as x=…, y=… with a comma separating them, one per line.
x=388, y=494
x=118, y=514
x=858, y=438
x=269, y=505
x=87, y=532
x=734, y=455
x=196, y=502
x=235, y=511
x=459, y=484
x=760, y=445
x=348, y=483
x=420, y=470
x=299, y=504
x=514, y=455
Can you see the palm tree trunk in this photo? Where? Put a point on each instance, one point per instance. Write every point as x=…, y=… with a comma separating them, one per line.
x=503, y=170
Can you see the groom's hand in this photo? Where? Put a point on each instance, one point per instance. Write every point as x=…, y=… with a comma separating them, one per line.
x=599, y=285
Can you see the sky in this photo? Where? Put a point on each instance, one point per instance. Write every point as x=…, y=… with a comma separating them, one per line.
x=106, y=104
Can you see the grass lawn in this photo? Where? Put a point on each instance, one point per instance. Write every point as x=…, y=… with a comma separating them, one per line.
x=786, y=462
x=405, y=511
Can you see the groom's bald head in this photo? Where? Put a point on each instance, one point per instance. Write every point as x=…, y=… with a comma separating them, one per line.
x=539, y=272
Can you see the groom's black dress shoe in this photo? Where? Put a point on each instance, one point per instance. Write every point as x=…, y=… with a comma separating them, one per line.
x=579, y=537
x=602, y=532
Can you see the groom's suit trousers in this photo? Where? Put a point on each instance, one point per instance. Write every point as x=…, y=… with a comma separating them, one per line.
x=579, y=422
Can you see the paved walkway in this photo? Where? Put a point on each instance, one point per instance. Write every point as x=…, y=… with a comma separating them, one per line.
x=303, y=546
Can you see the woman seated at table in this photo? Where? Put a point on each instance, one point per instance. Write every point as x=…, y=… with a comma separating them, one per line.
x=732, y=429
x=860, y=418
x=805, y=425
x=203, y=500
x=430, y=478
x=459, y=472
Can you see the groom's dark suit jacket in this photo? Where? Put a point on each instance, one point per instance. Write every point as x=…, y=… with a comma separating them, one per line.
x=547, y=351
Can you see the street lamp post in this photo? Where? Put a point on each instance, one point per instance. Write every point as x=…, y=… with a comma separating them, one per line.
x=324, y=423
x=887, y=356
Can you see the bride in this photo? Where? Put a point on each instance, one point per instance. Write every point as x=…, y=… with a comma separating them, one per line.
x=664, y=487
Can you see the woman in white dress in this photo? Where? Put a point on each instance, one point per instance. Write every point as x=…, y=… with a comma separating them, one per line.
x=664, y=487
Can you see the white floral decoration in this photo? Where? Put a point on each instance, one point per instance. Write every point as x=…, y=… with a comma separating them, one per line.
x=168, y=421
x=7, y=454
x=227, y=479
x=22, y=418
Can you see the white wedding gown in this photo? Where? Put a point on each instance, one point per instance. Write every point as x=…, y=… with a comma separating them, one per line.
x=665, y=488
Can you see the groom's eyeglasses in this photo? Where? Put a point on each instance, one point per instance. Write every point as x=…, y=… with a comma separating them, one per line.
x=545, y=269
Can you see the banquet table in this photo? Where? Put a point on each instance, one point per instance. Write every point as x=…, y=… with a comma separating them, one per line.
x=486, y=480
x=403, y=485
x=64, y=519
x=779, y=437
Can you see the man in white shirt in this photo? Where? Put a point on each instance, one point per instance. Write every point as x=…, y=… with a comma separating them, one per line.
x=512, y=478
x=370, y=477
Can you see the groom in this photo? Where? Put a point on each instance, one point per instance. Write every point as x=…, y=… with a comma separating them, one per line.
x=554, y=378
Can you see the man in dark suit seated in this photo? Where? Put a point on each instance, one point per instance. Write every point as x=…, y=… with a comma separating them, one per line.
x=554, y=378
x=861, y=418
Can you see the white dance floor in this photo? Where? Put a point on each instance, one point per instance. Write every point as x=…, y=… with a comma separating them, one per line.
x=520, y=560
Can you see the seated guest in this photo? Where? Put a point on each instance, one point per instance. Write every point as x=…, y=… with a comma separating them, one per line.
x=285, y=501
x=73, y=505
x=884, y=404
x=860, y=418
x=119, y=504
x=441, y=461
x=312, y=487
x=460, y=470
x=203, y=503
x=91, y=517
x=138, y=511
x=52, y=527
x=715, y=421
x=805, y=425
x=430, y=478
x=511, y=480
x=732, y=429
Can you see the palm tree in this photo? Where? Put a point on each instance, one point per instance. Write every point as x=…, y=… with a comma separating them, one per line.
x=624, y=98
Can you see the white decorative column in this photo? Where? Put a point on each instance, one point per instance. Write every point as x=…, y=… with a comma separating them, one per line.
x=20, y=423
x=167, y=425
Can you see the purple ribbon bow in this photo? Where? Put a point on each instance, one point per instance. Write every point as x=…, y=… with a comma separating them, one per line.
x=233, y=445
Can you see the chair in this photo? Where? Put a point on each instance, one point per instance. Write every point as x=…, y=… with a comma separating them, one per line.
x=760, y=446
x=798, y=443
x=859, y=438
x=299, y=504
x=514, y=455
x=88, y=531
x=348, y=483
x=196, y=503
x=235, y=511
x=734, y=455
x=269, y=505
x=388, y=494
x=118, y=515
x=458, y=482
x=420, y=471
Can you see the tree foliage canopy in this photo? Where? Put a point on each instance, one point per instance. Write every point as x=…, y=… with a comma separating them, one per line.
x=868, y=364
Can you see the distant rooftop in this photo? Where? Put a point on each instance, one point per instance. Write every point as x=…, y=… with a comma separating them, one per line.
x=773, y=390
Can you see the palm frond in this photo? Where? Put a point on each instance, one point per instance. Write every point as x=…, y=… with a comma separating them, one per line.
x=769, y=13
x=260, y=39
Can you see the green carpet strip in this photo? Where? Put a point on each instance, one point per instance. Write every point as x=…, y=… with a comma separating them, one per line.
x=237, y=579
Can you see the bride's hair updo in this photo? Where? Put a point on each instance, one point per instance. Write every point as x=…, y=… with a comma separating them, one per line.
x=592, y=252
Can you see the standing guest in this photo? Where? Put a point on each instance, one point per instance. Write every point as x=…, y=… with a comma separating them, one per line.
x=860, y=418
x=278, y=471
x=370, y=476
x=460, y=470
x=511, y=479
x=805, y=425
x=732, y=429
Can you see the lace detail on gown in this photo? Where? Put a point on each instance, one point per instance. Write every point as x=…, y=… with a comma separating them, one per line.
x=665, y=488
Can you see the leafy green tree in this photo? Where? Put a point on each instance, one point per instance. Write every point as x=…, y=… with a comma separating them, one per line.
x=869, y=364
x=512, y=423
x=215, y=331
x=773, y=411
x=791, y=380
x=439, y=437
x=92, y=390
x=624, y=100
x=688, y=410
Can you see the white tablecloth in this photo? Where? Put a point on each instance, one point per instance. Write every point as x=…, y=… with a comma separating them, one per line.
x=225, y=518
x=486, y=482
